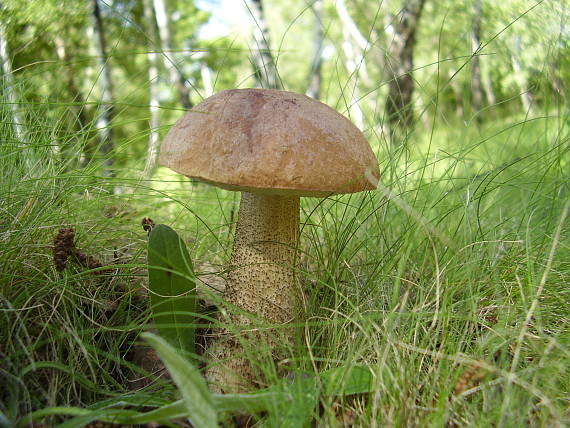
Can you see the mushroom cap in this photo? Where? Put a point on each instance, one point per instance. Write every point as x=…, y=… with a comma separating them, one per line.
x=272, y=142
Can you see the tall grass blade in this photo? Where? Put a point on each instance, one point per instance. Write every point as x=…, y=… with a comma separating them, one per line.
x=195, y=394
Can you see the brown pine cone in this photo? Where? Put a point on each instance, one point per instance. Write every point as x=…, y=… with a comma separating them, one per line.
x=63, y=247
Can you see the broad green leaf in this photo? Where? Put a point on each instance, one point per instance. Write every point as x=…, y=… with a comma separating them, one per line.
x=195, y=394
x=140, y=399
x=347, y=380
x=81, y=416
x=297, y=410
x=165, y=413
x=173, y=287
x=256, y=402
x=107, y=415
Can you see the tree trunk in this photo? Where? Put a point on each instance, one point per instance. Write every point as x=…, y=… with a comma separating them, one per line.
x=105, y=113
x=351, y=87
x=399, y=109
x=314, y=88
x=264, y=66
x=526, y=99
x=152, y=150
x=559, y=83
x=9, y=87
x=176, y=76
x=354, y=45
x=207, y=80
x=81, y=119
x=359, y=43
x=480, y=79
x=488, y=85
x=476, y=86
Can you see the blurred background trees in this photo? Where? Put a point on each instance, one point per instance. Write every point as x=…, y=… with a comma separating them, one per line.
x=122, y=71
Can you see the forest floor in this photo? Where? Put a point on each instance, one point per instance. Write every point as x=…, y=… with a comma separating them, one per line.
x=450, y=283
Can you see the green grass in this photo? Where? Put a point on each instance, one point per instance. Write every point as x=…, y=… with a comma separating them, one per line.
x=457, y=268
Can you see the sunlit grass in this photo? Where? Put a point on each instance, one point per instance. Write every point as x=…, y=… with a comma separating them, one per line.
x=450, y=282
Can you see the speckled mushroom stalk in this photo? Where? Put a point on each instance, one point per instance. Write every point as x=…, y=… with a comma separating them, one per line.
x=261, y=282
x=262, y=279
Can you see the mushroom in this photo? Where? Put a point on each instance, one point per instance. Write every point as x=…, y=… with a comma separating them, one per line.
x=274, y=147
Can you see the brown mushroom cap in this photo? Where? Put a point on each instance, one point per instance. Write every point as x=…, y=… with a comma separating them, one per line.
x=271, y=142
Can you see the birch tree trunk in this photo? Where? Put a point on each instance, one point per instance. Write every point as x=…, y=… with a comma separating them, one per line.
x=487, y=84
x=264, y=66
x=82, y=120
x=526, y=99
x=354, y=46
x=402, y=36
x=359, y=43
x=152, y=150
x=9, y=87
x=176, y=76
x=480, y=79
x=352, y=87
x=78, y=109
x=476, y=91
x=207, y=79
x=314, y=87
x=105, y=111
x=87, y=81
x=559, y=84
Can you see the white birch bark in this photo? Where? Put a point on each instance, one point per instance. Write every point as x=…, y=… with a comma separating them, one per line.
x=354, y=47
x=359, y=43
x=72, y=86
x=487, y=84
x=105, y=110
x=154, y=105
x=177, y=78
x=519, y=76
x=476, y=84
x=401, y=32
x=314, y=87
x=207, y=79
x=263, y=62
x=352, y=66
x=205, y=74
x=10, y=86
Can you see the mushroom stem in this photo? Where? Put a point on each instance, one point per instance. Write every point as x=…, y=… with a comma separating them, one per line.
x=262, y=278
x=261, y=282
